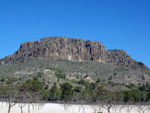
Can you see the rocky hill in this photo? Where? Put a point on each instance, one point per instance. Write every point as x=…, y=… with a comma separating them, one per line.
x=71, y=49
x=58, y=60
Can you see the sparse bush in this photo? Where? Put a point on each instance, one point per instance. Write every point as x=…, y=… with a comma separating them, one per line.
x=60, y=75
x=98, y=80
x=11, y=80
x=2, y=79
x=110, y=78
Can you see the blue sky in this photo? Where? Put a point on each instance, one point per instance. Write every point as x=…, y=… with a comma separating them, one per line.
x=117, y=24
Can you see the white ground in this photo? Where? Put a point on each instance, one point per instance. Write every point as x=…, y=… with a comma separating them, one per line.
x=59, y=108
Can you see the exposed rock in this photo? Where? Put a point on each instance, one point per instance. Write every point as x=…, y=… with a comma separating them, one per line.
x=121, y=58
x=70, y=49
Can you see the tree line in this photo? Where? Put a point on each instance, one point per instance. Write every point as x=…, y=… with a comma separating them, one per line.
x=34, y=92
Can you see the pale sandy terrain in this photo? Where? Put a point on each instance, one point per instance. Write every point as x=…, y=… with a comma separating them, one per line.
x=59, y=108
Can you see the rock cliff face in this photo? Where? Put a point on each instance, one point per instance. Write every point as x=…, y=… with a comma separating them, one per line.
x=70, y=49
x=121, y=58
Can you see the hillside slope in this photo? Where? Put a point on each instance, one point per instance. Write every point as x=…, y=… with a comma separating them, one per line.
x=59, y=59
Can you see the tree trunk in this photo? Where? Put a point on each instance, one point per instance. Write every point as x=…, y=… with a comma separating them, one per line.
x=83, y=110
x=28, y=108
x=9, y=107
x=21, y=110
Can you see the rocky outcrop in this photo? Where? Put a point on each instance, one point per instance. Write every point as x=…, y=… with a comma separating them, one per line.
x=70, y=49
x=121, y=58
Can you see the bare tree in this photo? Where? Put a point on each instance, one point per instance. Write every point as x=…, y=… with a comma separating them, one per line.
x=129, y=107
x=29, y=100
x=121, y=107
x=148, y=108
x=82, y=105
x=21, y=100
x=1, y=95
x=137, y=108
x=34, y=100
x=140, y=108
x=108, y=101
x=94, y=107
x=31, y=94
x=107, y=107
x=115, y=107
x=10, y=93
x=143, y=108
x=66, y=106
x=99, y=105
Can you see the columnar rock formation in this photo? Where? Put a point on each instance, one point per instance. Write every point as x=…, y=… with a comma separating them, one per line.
x=70, y=49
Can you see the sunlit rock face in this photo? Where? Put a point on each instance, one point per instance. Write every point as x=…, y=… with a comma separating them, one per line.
x=70, y=49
